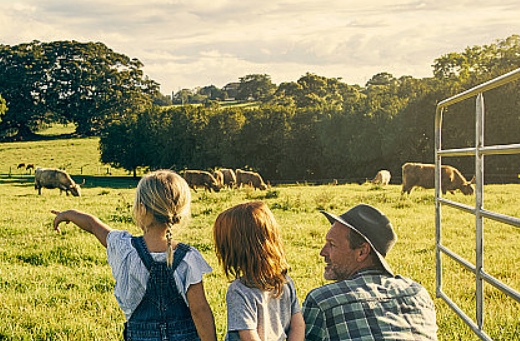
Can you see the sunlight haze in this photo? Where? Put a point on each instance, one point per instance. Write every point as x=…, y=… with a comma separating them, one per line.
x=185, y=44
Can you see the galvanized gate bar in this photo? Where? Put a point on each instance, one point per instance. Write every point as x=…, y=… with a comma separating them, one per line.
x=489, y=150
x=478, y=152
x=458, y=258
x=489, y=85
x=464, y=317
x=501, y=218
x=501, y=286
x=479, y=200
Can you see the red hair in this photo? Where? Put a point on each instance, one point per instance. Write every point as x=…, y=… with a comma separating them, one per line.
x=249, y=246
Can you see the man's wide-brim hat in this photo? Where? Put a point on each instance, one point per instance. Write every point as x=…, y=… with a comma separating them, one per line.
x=372, y=225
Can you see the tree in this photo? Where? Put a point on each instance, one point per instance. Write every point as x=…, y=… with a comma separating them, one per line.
x=130, y=143
x=255, y=87
x=162, y=100
x=84, y=83
x=302, y=150
x=335, y=134
x=182, y=96
x=314, y=91
x=190, y=96
x=320, y=127
x=3, y=107
x=262, y=138
x=219, y=137
x=93, y=84
x=383, y=78
x=288, y=89
x=211, y=92
x=21, y=71
x=477, y=64
x=182, y=139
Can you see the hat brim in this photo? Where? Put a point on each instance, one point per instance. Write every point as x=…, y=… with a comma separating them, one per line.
x=333, y=218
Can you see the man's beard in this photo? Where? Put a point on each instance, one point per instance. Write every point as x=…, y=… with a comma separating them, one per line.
x=332, y=274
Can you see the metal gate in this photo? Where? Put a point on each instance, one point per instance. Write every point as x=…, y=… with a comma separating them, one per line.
x=479, y=152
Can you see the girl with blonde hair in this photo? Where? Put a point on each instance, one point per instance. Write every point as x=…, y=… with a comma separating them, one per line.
x=261, y=300
x=158, y=279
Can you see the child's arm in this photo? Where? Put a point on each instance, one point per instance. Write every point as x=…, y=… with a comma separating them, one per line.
x=201, y=312
x=85, y=221
x=297, y=329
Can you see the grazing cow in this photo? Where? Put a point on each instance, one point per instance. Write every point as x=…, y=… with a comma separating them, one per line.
x=29, y=166
x=217, y=174
x=55, y=178
x=230, y=179
x=382, y=178
x=250, y=178
x=423, y=175
x=199, y=178
x=20, y=165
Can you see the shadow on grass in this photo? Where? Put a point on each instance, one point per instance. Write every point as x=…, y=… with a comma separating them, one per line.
x=113, y=182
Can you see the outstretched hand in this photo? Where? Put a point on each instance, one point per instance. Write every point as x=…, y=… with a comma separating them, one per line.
x=58, y=219
x=84, y=221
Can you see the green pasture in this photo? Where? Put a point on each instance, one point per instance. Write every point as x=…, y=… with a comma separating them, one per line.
x=77, y=156
x=59, y=286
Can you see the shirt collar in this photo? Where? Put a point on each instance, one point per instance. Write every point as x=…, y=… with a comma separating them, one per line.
x=371, y=270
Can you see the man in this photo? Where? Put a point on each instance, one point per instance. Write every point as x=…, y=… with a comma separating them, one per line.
x=366, y=301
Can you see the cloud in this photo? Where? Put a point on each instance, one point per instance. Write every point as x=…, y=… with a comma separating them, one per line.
x=189, y=43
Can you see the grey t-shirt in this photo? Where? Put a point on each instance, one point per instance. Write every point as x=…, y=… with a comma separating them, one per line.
x=250, y=308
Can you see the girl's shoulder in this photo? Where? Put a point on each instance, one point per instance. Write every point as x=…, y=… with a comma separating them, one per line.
x=290, y=281
x=120, y=249
x=119, y=235
x=194, y=258
x=239, y=284
x=119, y=241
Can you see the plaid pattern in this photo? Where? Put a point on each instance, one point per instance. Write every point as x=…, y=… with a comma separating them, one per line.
x=370, y=306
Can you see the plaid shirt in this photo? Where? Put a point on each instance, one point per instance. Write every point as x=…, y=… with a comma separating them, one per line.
x=371, y=305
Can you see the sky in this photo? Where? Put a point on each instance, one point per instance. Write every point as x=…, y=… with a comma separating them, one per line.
x=185, y=44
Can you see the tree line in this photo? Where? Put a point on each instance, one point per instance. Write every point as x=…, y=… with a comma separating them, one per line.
x=313, y=128
x=87, y=84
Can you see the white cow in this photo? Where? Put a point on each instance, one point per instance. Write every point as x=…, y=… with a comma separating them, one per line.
x=382, y=178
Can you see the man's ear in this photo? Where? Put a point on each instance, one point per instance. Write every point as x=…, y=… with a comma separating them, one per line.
x=363, y=252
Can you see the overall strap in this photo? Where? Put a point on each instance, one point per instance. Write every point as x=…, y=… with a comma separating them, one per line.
x=142, y=251
x=146, y=257
x=178, y=256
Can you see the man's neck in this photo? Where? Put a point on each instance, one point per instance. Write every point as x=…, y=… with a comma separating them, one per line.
x=372, y=269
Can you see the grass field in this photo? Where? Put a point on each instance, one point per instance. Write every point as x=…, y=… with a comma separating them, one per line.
x=76, y=156
x=59, y=286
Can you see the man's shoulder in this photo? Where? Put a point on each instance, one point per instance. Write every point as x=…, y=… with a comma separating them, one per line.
x=366, y=287
x=402, y=286
x=329, y=294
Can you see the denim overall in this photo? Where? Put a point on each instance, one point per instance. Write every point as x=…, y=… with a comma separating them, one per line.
x=162, y=314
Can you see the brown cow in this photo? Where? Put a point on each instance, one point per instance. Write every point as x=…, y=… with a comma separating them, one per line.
x=423, y=175
x=230, y=179
x=217, y=174
x=55, y=178
x=250, y=178
x=199, y=178
x=382, y=178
